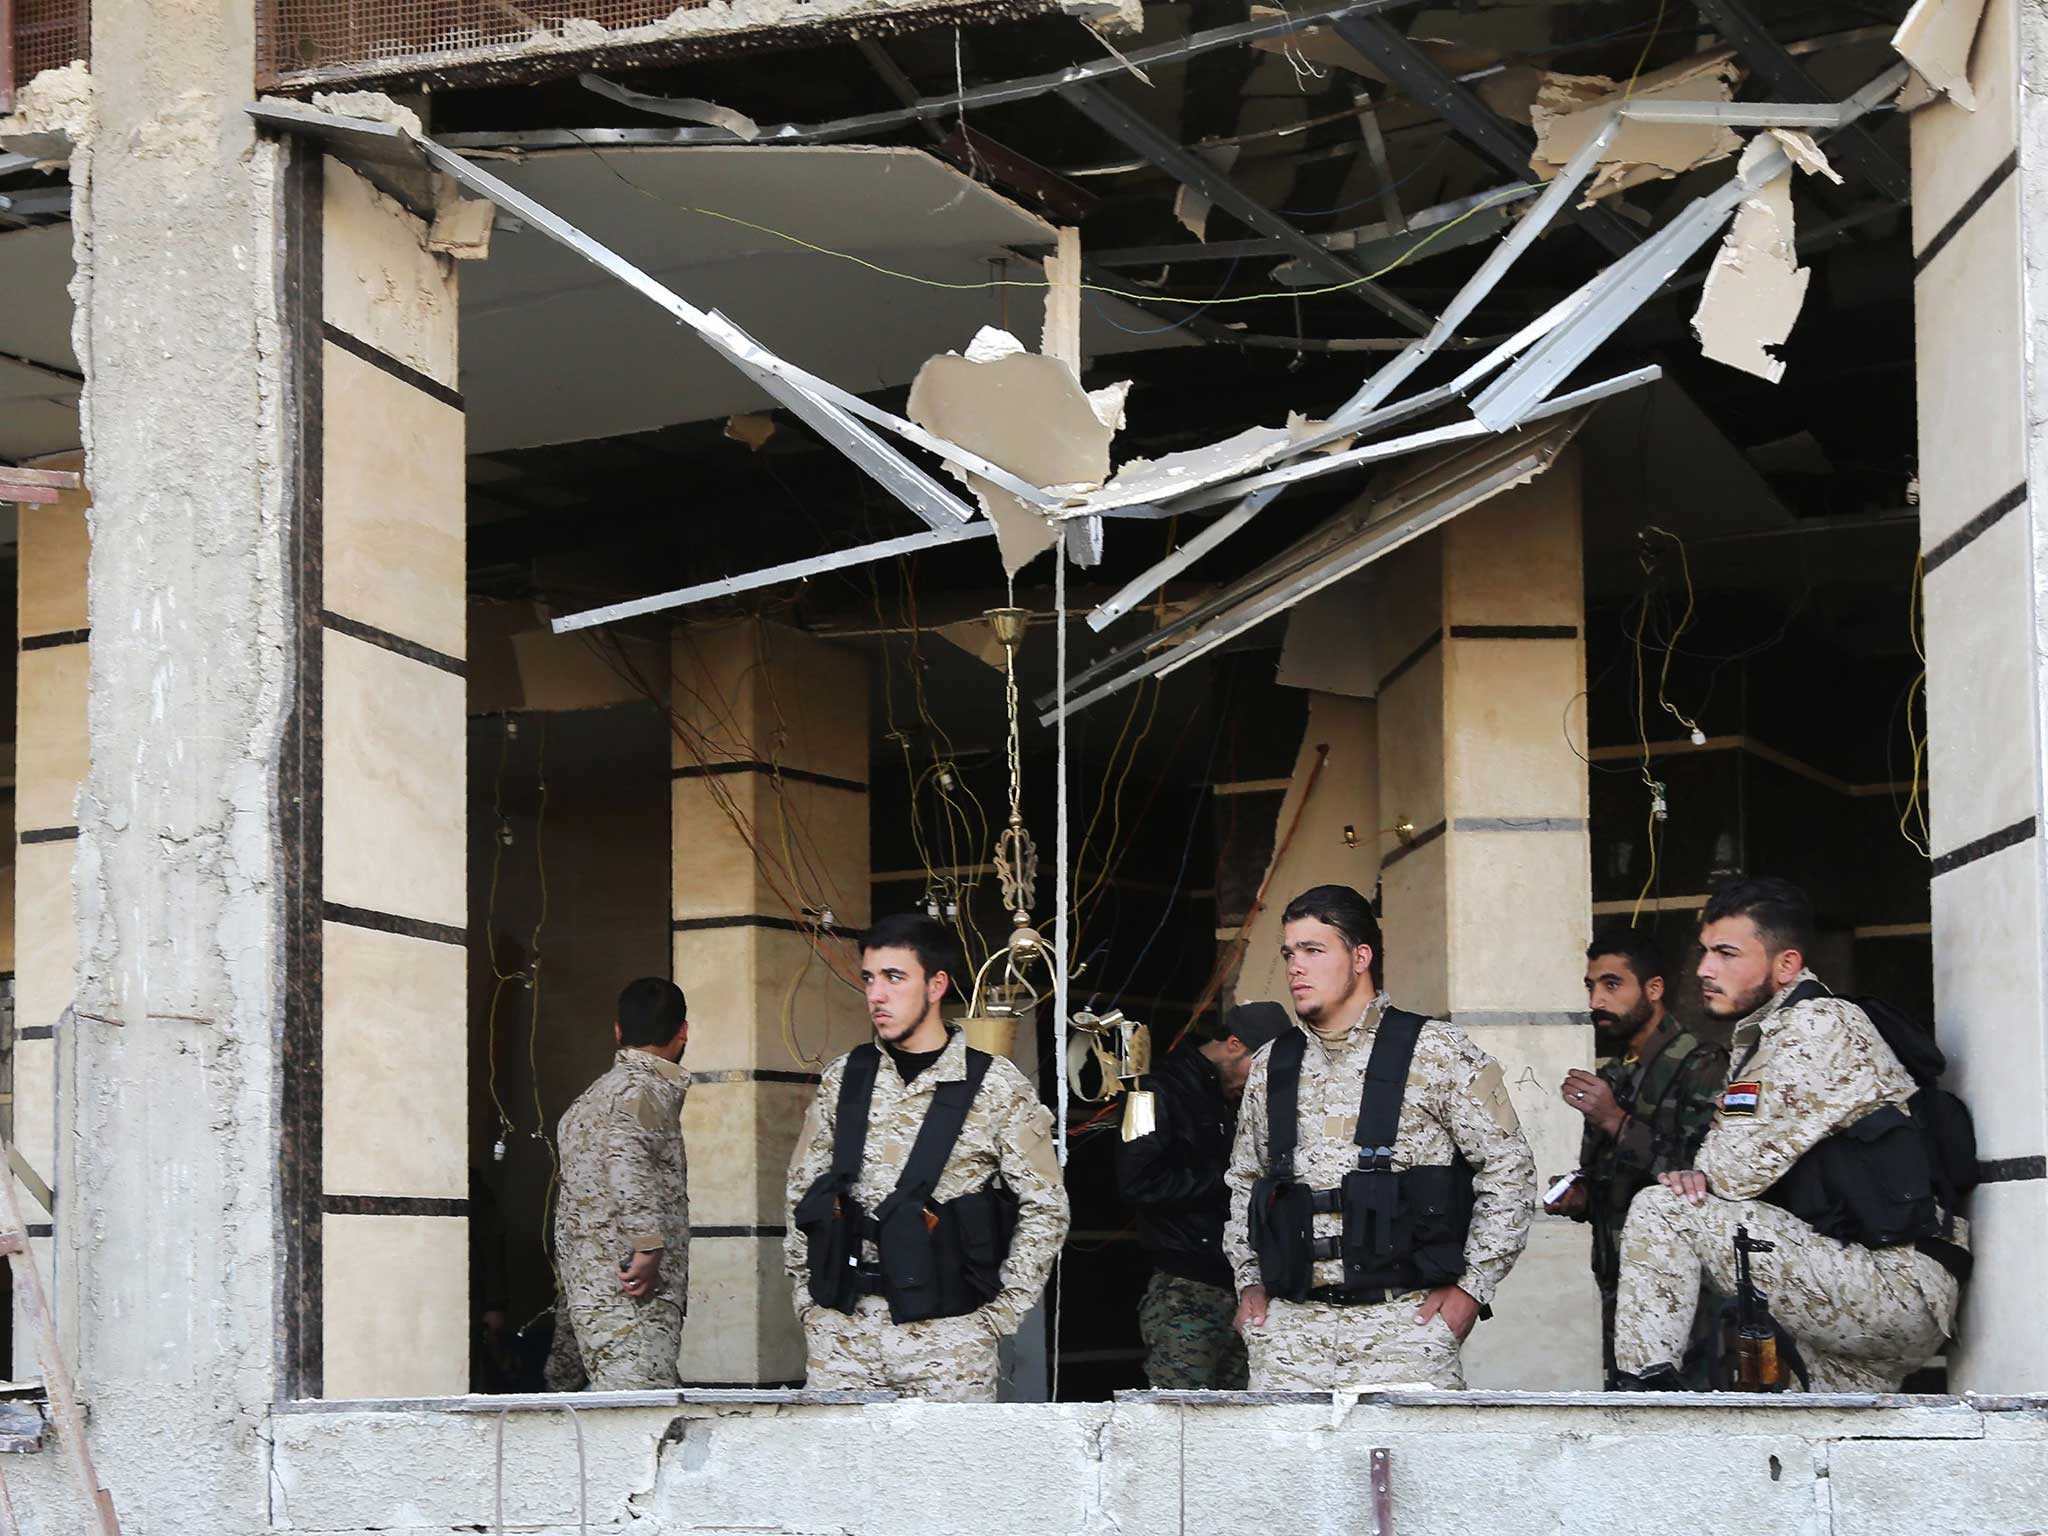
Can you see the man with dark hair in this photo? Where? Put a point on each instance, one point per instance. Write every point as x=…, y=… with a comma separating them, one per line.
x=1646, y=1108
x=1380, y=1185
x=1813, y=1150
x=925, y=1199
x=1174, y=1177
x=622, y=1219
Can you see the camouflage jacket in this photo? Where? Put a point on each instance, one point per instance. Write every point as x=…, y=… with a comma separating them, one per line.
x=1007, y=1131
x=1669, y=1093
x=1456, y=1103
x=625, y=1180
x=1801, y=1073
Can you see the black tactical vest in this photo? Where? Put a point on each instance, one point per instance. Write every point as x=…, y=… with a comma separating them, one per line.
x=937, y=1258
x=1403, y=1231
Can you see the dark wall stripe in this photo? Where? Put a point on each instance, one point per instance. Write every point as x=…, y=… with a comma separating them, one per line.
x=1964, y=536
x=759, y=920
x=405, y=372
x=54, y=639
x=802, y=775
x=391, y=1205
x=41, y=1229
x=753, y=1075
x=1983, y=847
x=739, y=1232
x=389, y=922
x=1967, y=212
x=300, y=1069
x=1413, y=659
x=36, y=1032
x=398, y=645
x=1514, y=631
x=50, y=835
x=2012, y=1170
x=1423, y=839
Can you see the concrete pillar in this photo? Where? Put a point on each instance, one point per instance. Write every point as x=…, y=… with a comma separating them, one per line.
x=50, y=763
x=1486, y=901
x=770, y=813
x=1981, y=279
x=382, y=692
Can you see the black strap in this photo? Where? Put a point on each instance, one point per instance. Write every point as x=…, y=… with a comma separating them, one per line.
x=1283, y=1100
x=850, y=1128
x=1386, y=1083
x=941, y=1129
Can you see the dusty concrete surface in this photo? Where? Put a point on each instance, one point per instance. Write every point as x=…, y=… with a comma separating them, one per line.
x=1163, y=1467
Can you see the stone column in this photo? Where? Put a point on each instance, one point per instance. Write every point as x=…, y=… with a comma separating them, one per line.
x=770, y=835
x=50, y=763
x=380, y=1009
x=1980, y=252
x=1486, y=899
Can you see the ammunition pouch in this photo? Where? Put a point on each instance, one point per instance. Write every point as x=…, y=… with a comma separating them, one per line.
x=1279, y=1226
x=1870, y=1183
x=832, y=1224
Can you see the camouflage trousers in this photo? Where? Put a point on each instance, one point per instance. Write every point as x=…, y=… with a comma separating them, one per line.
x=1864, y=1318
x=615, y=1345
x=1190, y=1343
x=1310, y=1346
x=944, y=1359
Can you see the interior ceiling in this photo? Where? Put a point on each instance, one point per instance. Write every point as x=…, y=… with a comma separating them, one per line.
x=38, y=372
x=555, y=351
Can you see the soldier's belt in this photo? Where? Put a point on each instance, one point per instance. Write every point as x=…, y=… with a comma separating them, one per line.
x=1370, y=1296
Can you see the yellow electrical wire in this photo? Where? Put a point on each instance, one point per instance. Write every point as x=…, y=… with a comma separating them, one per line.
x=1916, y=809
x=1656, y=31
x=1506, y=194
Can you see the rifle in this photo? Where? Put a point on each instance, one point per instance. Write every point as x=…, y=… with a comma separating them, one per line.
x=1755, y=1342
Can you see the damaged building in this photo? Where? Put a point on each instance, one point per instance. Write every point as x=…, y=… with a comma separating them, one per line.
x=506, y=501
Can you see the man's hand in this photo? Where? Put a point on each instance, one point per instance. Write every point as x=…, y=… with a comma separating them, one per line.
x=638, y=1276
x=1591, y=1097
x=1571, y=1203
x=1689, y=1182
x=1251, y=1308
x=1459, y=1310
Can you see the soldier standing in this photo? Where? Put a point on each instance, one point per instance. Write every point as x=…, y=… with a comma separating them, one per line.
x=1646, y=1109
x=925, y=1200
x=1380, y=1185
x=1174, y=1177
x=1813, y=1151
x=622, y=1221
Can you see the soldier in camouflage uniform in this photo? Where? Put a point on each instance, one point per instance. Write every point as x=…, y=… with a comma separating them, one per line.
x=622, y=1218
x=1455, y=1104
x=1645, y=1109
x=1862, y=1317
x=907, y=973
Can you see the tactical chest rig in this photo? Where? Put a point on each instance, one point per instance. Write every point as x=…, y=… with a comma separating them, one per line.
x=1403, y=1231
x=937, y=1259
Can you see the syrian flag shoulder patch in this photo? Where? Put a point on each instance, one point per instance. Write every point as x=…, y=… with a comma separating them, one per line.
x=1741, y=1098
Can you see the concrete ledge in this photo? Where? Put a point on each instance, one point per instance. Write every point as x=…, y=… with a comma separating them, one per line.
x=789, y=1464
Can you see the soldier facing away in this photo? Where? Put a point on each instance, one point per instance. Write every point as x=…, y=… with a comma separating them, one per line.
x=925, y=1200
x=1811, y=1128
x=622, y=1221
x=1380, y=1185
x=1645, y=1110
x=1174, y=1179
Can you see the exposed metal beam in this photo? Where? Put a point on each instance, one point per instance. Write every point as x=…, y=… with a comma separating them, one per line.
x=871, y=123
x=1191, y=170
x=1506, y=144
x=1788, y=81
x=795, y=570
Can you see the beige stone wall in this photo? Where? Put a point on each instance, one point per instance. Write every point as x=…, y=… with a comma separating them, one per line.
x=50, y=764
x=392, y=870
x=769, y=811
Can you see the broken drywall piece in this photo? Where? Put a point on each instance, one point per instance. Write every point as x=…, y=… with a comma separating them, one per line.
x=1108, y=403
x=1151, y=481
x=1803, y=152
x=1756, y=286
x=1191, y=207
x=462, y=229
x=1101, y=16
x=1915, y=93
x=1025, y=412
x=1571, y=109
x=374, y=106
x=1325, y=648
x=754, y=429
x=1935, y=38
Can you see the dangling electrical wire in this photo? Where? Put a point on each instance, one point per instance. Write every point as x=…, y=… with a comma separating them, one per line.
x=1915, y=812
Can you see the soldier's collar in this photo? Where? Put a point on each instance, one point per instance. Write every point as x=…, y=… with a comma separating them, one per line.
x=1366, y=1022
x=673, y=1070
x=951, y=1067
x=1764, y=1017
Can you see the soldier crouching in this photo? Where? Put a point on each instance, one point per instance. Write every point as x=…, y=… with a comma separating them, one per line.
x=925, y=1200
